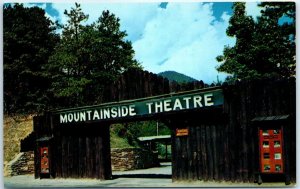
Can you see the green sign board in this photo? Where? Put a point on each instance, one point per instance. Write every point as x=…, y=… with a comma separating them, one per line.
x=141, y=107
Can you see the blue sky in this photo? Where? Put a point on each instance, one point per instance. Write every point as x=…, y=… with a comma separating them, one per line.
x=182, y=37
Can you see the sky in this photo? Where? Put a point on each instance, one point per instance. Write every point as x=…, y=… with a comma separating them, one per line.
x=182, y=37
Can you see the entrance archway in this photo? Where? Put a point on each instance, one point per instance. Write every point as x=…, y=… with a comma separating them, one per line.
x=212, y=138
x=80, y=144
x=138, y=150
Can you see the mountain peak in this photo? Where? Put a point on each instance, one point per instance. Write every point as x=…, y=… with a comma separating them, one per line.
x=175, y=76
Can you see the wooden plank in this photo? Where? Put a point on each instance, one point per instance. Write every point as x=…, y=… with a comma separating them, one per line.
x=107, y=154
x=204, y=153
x=174, y=154
x=220, y=155
x=193, y=140
x=179, y=158
x=37, y=162
x=81, y=154
x=88, y=157
x=69, y=156
x=209, y=153
x=199, y=155
x=37, y=121
x=185, y=160
x=99, y=159
x=189, y=157
x=214, y=152
x=65, y=157
x=233, y=143
x=246, y=132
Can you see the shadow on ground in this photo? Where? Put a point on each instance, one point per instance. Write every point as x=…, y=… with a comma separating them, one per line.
x=162, y=176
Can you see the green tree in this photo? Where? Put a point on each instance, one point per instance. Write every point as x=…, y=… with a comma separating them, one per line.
x=111, y=54
x=264, y=48
x=281, y=36
x=28, y=40
x=131, y=131
x=67, y=63
x=89, y=58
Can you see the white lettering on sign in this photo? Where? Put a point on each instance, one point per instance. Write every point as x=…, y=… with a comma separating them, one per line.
x=177, y=105
x=89, y=114
x=106, y=113
x=167, y=105
x=124, y=111
x=187, y=102
x=63, y=118
x=101, y=114
x=70, y=117
x=158, y=106
x=82, y=116
x=114, y=112
x=143, y=108
x=208, y=99
x=96, y=115
x=132, y=110
x=149, y=107
x=76, y=117
x=197, y=101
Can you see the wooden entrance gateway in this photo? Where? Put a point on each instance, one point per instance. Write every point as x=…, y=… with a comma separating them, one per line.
x=217, y=133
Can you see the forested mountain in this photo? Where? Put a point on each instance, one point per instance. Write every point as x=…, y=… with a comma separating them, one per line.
x=175, y=76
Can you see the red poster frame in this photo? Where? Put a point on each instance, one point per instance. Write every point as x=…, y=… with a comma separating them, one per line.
x=271, y=156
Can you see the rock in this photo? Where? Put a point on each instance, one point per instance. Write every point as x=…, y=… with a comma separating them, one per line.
x=132, y=158
x=23, y=163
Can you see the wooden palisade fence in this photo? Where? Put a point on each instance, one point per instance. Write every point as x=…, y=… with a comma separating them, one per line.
x=222, y=142
x=224, y=145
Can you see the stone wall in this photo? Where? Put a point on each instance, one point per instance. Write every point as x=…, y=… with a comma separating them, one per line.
x=132, y=158
x=22, y=164
x=121, y=159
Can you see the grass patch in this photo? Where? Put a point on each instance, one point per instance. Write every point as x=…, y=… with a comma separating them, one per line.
x=15, y=128
x=117, y=137
x=118, y=142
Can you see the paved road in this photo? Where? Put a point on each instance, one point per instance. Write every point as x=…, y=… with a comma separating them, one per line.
x=164, y=171
x=153, y=177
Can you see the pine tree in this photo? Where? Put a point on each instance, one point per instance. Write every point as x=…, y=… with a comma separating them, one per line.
x=66, y=65
x=28, y=39
x=263, y=48
x=89, y=58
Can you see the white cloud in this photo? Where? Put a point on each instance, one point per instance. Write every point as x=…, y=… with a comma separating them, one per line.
x=133, y=16
x=42, y=6
x=185, y=38
x=29, y=5
x=253, y=10
x=52, y=18
x=61, y=7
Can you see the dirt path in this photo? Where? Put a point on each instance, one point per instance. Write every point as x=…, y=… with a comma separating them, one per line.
x=153, y=177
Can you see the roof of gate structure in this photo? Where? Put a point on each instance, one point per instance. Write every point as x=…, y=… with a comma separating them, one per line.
x=141, y=99
x=142, y=107
x=166, y=139
x=270, y=118
x=157, y=138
